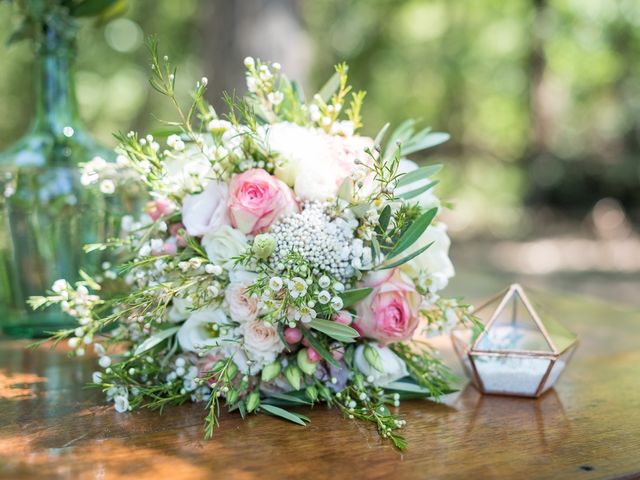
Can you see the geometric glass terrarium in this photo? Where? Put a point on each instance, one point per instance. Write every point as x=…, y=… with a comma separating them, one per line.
x=517, y=352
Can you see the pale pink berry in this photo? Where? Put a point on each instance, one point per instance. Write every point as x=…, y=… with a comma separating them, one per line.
x=292, y=335
x=343, y=317
x=312, y=355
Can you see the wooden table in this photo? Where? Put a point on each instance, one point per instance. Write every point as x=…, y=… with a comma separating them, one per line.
x=588, y=427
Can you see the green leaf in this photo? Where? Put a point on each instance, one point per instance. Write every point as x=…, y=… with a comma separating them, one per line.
x=360, y=209
x=413, y=233
x=319, y=347
x=422, y=173
x=401, y=134
x=329, y=88
x=403, y=260
x=166, y=131
x=381, y=134
x=418, y=191
x=383, y=219
x=353, y=296
x=288, y=398
x=423, y=142
x=373, y=358
x=154, y=340
x=403, y=386
x=335, y=330
x=282, y=413
x=90, y=281
x=344, y=190
x=89, y=8
x=298, y=92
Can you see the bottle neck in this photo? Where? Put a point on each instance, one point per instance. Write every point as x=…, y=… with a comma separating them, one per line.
x=56, y=106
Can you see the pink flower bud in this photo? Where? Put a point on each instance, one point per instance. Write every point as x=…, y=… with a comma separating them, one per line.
x=312, y=355
x=343, y=317
x=292, y=335
x=170, y=247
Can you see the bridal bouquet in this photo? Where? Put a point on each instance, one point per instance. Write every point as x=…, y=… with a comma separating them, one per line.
x=283, y=260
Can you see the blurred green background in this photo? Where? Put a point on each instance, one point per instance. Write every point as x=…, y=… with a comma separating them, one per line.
x=541, y=97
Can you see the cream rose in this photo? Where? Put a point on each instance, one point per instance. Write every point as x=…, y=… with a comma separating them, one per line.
x=242, y=307
x=206, y=212
x=224, y=244
x=393, y=366
x=261, y=341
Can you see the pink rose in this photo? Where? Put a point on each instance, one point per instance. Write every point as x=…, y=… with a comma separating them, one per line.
x=256, y=200
x=206, y=212
x=390, y=313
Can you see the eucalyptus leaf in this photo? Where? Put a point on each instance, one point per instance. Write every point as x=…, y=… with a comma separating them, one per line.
x=373, y=358
x=413, y=233
x=335, y=330
x=282, y=413
x=381, y=134
x=428, y=141
x=383, y=219
x=345, y=190
x=422, y=173
x=402, y=386
x=350, y=297
x=418, y=191
x=404, y=260
x=329, y=88
x=288, y=398
x=155, y=339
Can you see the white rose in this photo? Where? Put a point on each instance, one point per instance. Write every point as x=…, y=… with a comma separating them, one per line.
x=426, y=200
x=316, y=183
x=261, y=342
x=297, y=148
x=195, y=334
x=434, y=261
x=206, y=212
x=242, y=307
x=224, y=244
x=180, y=309
x=186, y=171
x=394, y=367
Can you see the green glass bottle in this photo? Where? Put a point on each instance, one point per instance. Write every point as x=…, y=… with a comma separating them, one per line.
x=46, y=215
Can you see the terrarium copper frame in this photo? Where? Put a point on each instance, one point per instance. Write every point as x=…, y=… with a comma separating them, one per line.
x=553, y=356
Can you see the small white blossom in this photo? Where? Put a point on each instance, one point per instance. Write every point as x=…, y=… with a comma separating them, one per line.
x=105, y=361
x=275, y=284
x=337, y=303
x=297, y=287
x=121, y=403
x=324, y=297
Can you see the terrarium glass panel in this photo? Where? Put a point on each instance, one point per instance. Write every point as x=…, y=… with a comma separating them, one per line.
x=508, y=374
x=513, y=328
x=558, y=368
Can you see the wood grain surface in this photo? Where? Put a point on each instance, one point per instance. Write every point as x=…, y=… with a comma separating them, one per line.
x=587, y=427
